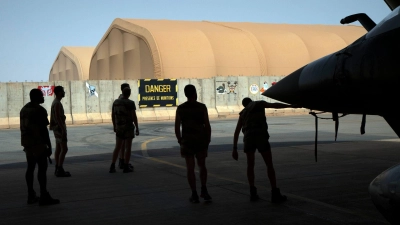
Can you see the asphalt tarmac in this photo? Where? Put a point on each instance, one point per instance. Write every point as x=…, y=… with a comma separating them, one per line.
x=333, y=190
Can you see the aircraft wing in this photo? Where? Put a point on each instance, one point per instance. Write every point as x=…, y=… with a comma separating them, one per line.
x=392, y=3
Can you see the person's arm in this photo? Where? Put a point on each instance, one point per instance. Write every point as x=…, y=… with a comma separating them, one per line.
x=113, y=118
x=60, y=120
x=239, y=125
x=44, y=132
x=207, y=126
x=276, y=105
x=135, y=121
x=178, y=127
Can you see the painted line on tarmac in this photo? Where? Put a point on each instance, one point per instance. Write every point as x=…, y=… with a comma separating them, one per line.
x=143, y=146
x=299, y=198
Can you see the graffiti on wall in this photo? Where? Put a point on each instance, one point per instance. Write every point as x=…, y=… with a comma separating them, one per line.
x=226, y=87
x=47, y=90
x=91, y=90
x=254, y=89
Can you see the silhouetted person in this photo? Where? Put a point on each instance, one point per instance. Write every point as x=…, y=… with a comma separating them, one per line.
x=121, y=162
x=57, y=124
x=124, y=122
x=253, y=122
x=195, y=138
x=37, y=146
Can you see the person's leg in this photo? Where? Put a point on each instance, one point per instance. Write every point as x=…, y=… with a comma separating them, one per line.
x=250, y=149
x=267, y=156
x=128, y=147
x=250, y=168
x=190, y=164
x=29, y=177
x=63, y=153
x=57, y=154
x=42, y=177
x=201, y=162
x=250, y=175
x=122, y=155
x=45, y=198
x=117, y=148
x=276, y=196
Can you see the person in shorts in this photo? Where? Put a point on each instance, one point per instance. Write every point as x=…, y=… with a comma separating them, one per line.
x=57, y=124
x=37, y=146
x=253, y=123
x=122, y=150
x=124, y=122
x=194, y=139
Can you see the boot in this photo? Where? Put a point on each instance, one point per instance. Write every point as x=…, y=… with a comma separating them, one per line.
x=127, y=168
x=204, y=194
x=253, y=194
x=276, y=196
x=112, y=168
x=46, y=199
x=32, y=198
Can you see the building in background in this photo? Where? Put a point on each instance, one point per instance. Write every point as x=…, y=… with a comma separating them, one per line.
x=165, y=49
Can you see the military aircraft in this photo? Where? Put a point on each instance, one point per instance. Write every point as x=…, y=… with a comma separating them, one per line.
x=362, y=78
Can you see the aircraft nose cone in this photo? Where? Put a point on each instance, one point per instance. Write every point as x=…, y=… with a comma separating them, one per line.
x=385, y=193
x=287, y=89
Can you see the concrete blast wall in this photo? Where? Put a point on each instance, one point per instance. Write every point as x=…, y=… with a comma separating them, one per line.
x=91, y=101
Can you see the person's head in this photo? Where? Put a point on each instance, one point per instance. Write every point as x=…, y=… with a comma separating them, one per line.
x=36, y=96
x=124, y=85
x=190, y=92
x=246, y=101
x=126, y=92
x=59, y=91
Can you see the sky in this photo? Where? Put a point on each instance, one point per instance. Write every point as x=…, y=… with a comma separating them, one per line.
x=33, y=31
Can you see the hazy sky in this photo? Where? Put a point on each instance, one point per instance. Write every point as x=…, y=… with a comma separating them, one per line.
x=33, y=31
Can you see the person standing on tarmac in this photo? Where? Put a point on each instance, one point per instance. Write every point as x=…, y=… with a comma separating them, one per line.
x=122, y=150
x=194, y=141
x=124, y=122
x=37, y=146
x=253, y=122
x=59, y=128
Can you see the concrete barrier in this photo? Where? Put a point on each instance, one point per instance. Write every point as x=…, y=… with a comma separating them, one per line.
x=78, y=95
x=93, y=102
x=208, y=96
x=221, y=98
x=4, y=106
x=221, y=95
x=15, y=102
x=106, y=99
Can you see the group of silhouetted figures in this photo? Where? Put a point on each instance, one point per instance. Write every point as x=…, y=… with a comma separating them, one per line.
x=194, y=139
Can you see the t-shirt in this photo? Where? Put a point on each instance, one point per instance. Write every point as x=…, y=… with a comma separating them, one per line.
x=122, y=109
x=254, y=122
x=57, y=123
x=33, y=118
x=192, y=116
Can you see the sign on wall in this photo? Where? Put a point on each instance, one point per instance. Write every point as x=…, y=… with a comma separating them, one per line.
x=158, y=92
x=47, y=90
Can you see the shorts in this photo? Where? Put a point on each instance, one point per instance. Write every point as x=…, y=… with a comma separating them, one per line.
x=125, y=133
x=198, y=151
x=35, y=151
x=59, y=137
x=262, y=145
